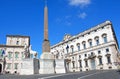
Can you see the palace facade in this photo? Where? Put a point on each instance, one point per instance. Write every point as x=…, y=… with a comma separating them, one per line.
x=13, y=52
x=96, y=48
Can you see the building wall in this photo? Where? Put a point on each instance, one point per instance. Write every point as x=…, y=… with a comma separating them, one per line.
x=13, y=60
x=18, y=40
x=14, y=52
x=107, y=48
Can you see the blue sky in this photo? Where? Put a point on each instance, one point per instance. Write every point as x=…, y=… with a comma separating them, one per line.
x=25, y=17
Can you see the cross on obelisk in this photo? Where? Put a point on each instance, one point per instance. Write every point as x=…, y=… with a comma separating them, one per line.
x=46, y=43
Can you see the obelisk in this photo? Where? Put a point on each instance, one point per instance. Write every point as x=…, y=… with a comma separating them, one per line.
x=46, y=59
x=46, y=43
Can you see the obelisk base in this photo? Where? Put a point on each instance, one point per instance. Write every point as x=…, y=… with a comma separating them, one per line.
x=29, y=66
x=47, y=55
x=60, y=66
x=47, y=64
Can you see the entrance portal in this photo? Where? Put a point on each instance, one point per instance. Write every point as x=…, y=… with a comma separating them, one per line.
x=0, y=68
x=93, y=64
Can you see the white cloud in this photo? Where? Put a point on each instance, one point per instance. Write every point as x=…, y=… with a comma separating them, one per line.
x=68, y=23
x=81, y=3
x=82, y=15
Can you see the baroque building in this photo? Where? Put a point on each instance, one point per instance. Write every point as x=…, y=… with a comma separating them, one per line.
x=13, y=52
x=96, y=48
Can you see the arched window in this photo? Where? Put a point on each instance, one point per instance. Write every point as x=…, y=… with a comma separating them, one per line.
x=104, y=36
x=78, y=46
x=97, y=40
x=72, y=48
x=90, y=42
x=84, y=44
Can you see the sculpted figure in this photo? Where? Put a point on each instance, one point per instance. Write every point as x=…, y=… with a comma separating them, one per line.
x=26, y=51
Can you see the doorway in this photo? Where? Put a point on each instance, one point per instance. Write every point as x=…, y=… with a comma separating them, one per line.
x=0, y=68
x=93, y=66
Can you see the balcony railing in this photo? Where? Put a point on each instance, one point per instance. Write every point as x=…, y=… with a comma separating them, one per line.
x=91, y=55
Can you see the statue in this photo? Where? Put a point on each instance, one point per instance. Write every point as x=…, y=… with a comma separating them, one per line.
x=26, y=51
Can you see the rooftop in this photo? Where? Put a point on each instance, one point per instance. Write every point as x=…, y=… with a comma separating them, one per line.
x=18, y=36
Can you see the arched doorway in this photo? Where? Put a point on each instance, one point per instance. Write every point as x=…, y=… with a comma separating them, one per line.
x=0, y=68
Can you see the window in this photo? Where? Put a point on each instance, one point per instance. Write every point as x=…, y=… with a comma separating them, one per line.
x=103, y=27
x=89, y=33
x=95, y=30
x=9, y=66
x=90, y=42
x=16, y=65
x=80, y=64
x=100, y=61
x=86, y=63
x=78, y=46
x=104, y=36
x=107, y=50
x=79, y=56
x=97, y=40
x=85, y=55
x=73, y=58
x=108, y=59
x=9, y=55
x=91, y=53
x=0, y=52
x=105, y=39
x=22, y=54
x=99, y=52
x=82, y=35
x=17, y=43
x=84, y=44
x=73, y=64
x=16, y=55
x=72, y=49
x=67, y=49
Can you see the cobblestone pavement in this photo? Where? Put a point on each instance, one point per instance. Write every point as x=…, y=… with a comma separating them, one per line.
x=111, y=74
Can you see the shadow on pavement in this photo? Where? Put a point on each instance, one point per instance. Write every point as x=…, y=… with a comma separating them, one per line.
x=118, y=71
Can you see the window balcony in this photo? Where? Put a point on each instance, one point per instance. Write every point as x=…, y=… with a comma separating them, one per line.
x=107, y=55
x=92, y=55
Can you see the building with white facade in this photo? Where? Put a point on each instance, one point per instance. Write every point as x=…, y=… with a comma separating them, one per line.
x=13, y=52
x=96, y=48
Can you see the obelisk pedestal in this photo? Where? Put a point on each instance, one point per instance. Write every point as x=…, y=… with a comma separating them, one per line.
x=46, y=64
